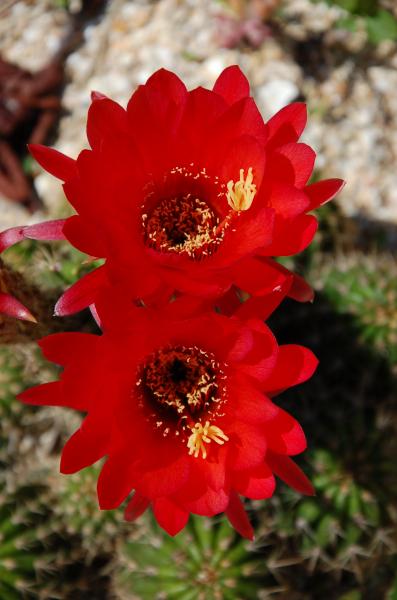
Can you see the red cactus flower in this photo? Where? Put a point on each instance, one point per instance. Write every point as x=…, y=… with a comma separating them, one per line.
x=189, y=191
x=179, y=403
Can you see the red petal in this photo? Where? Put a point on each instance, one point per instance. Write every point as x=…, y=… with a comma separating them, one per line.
x=11, y=236
x=46, y=394
x=287, y=125
x=302, y=158
x=84, y=235
x=165, y=92
x=211, y=503
x=291, y=238
x=240, y=346
x=259, y=277
x=290, y=473
x=136, y=507
x=251, y=234
x=251, y=406
x=241, y=118
x=284, y=435
x=64, y=348
x=238, y=517
x=49, y=230
x=106, y=118
x=229, y=303
x=115, y=482
x=97, y=95
x=87, y=445
x=203, y=108
x=247, y=444
x=13, y=308
x=81, y=294
x=232, y=84
x=287, y=200
x=295, y=364
x=263, y=306
x=169, y=516
x=323, y=191
x=256, y=484
x=243, y=153
x=61, y=166
x=167, y=480
x=300, y=290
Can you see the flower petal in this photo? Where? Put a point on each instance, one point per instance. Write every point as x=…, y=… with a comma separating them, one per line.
x=232, y=84
x=302, y=158
x=87, y=445
x=61, y=166
x=115, y=481
x=136, y=507
x=323, y=191
x=291, y=237
x=11, y=307
x=65, y=348
x=49, y=230
x=46, y=394
x=169, y=516
x=256, y=484
x=290, y=473
x=46, y=231
x=295, y=364
x=212, y=502
x=84, y=235
x=287, y=125
x=300, y=290
x=284, y=435
x=106, y=118
x=252, y=406
x=164, y=481
x=238, y=517
x=81, y=294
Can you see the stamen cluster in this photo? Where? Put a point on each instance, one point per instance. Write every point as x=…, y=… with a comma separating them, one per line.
x=179, y=384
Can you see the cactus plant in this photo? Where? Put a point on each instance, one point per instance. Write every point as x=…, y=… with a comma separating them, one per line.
x=24, y=536
x=205, y=561
x=75, y=509
x=364, y=286
x=336, y=525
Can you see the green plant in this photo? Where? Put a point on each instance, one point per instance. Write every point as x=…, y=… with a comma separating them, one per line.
x=379, y=23
x=364, y=286
x=75, y=508
x=24, y=535
x=207, y=561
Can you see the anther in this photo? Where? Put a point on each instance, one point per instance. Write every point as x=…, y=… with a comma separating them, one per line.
x=241, y=193
x=204, y=435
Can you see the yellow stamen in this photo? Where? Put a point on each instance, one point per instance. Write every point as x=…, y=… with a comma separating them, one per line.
x=241, y=194
x=205, y=434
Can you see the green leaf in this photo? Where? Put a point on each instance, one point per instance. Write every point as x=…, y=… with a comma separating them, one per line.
x=382, y=26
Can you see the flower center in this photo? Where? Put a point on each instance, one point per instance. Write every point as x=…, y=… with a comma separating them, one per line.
x=183, y=224
x=180, y=388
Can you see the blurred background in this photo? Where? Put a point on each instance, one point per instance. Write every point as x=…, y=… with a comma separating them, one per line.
x=339, y=56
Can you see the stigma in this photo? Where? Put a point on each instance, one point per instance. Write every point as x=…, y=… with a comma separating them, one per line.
x=241, y=193
x=204, y=435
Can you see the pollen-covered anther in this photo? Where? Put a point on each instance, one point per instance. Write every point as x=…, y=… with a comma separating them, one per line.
x=241, y=193
x=204, y=435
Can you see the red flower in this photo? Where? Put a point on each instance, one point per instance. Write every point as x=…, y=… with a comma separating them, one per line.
x=189, y=191
x=179, y=403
